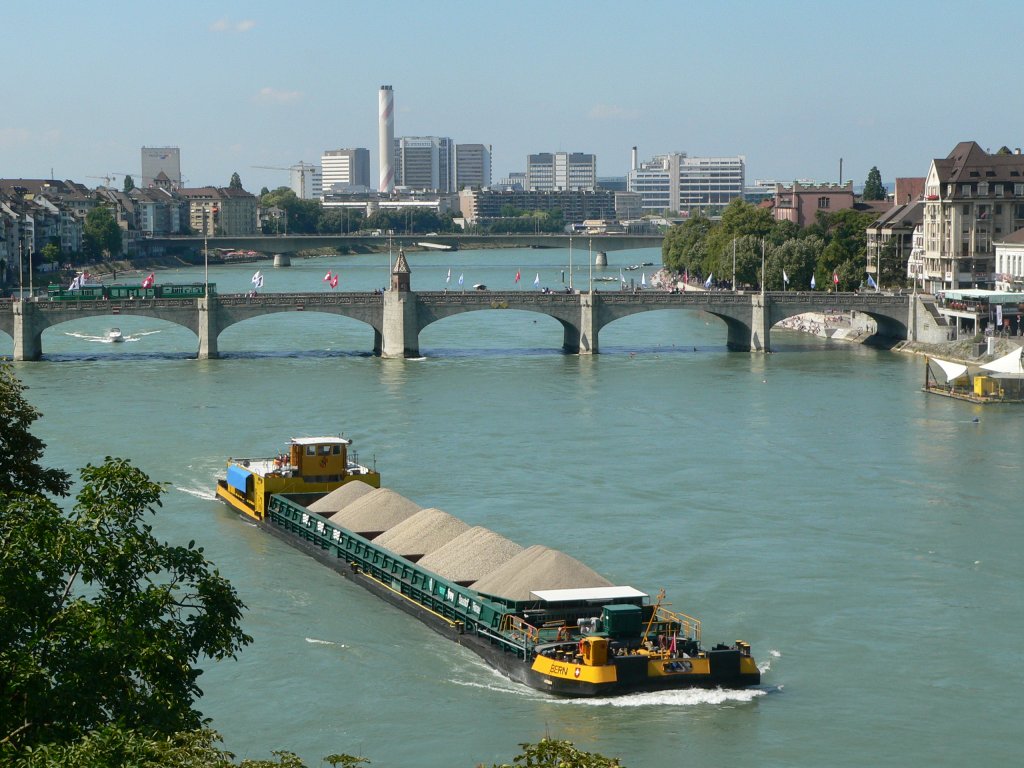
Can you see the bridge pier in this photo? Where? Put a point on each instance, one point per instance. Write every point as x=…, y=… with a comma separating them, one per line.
x=760, y=325
x=587, y=331
x=209, y=328
x=400, y=337
x=28, y=336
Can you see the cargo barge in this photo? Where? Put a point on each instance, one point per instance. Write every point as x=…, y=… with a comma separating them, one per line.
x=536, y=615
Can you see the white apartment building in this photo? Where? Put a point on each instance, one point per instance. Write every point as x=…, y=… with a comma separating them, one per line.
x=341, y=169
x=972, y=199
x=425, y=163
x=675, y=182
x=305, y=181
x=561, y=171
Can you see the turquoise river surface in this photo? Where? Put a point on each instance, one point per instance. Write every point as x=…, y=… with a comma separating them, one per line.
x=864, y=537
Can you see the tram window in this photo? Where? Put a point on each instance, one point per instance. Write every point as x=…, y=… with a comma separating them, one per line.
x=311, y=450
x=325, y=450
x=336, y=450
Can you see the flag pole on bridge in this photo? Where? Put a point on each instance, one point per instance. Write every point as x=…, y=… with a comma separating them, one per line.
x=762, y=266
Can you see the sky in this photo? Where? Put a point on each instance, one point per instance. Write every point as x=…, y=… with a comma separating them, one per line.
x=795, y=87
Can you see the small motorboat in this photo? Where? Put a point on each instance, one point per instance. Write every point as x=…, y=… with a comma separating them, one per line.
x=480, y=286
x=114, y=335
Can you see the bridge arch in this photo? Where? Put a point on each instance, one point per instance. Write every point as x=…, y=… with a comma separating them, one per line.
x=229, y=318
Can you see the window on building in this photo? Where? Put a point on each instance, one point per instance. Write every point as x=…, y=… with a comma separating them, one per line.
x=999, y=190
x=824, y=202
x=1018, y=190
x=982, y=188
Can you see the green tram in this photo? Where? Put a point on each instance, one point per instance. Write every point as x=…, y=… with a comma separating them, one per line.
x=119, y=292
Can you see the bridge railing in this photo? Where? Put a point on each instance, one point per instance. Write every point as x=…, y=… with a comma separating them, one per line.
x=305, y=299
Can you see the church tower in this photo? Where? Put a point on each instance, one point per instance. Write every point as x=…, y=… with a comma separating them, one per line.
x=400, y=273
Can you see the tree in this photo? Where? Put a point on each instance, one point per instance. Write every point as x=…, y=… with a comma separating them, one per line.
x=101, y=237
x=100, y=623
x=685, y=247
x=558, y=753
x=236, y=182
x=51, y=253
x=24, y=475
x=873, y=188
x=129, y=183
x=94, y=610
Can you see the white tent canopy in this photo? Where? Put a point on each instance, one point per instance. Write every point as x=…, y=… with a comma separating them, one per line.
x=1007, y=364
x=950, y=370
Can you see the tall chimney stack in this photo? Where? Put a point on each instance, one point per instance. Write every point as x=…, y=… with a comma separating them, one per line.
x=386, y=128
x=633, y=164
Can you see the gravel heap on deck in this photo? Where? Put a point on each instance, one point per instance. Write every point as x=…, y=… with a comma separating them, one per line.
x=340, y=498
x=376, y=511
x=421, y=534
x=471, y=556
x=538, y=567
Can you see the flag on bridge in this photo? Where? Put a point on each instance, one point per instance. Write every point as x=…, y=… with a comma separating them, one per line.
x=517, y=275
x=86, y=277
x=835, y=279
x=622, y=278
x=257, y=279
x=872, y=283
x=460, y=279
x=148, y=282
x=536, y=281
x=643, y=279
x=707, y=283
x=813, y=285
x=449, y=278
x=334, y=282
x=76, y=283
x=785, y=277
x=327, y=277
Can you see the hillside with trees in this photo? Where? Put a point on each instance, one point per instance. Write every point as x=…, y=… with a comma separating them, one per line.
x=835, y=244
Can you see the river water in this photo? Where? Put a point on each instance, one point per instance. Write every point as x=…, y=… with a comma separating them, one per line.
x=862, y=536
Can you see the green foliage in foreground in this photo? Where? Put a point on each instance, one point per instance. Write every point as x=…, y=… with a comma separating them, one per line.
x=557, y=753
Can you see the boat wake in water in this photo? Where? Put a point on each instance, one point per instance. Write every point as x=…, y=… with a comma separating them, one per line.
x=199, y=493
x=314, y=641
x=679, y=697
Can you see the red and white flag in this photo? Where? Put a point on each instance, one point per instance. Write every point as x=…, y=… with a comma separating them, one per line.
x=327, y=278
x=517, y=275
x=148, y=282
x=334, y=282
x=835, y=278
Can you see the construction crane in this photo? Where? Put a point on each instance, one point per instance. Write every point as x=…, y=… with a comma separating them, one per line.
x=110, y=177
x=303, y=168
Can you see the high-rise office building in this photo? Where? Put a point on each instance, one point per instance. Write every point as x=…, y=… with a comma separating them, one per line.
x=675, y=182
x=472, y=165
x=551, y=171
x=425, y=163
x=157, y=159
x=341, y=168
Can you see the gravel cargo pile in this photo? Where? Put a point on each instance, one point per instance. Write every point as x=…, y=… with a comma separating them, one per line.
x=471, y=556
x=538, y=567
x=340, y=498
x=421, y=534
x=375, y=512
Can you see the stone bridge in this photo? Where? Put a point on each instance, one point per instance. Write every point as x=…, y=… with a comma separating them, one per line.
x=269, y=244
x=397, y=317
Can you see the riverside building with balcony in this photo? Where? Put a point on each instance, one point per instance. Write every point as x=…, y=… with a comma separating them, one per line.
x=972, y=200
